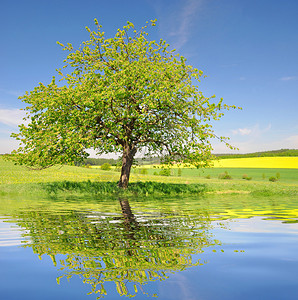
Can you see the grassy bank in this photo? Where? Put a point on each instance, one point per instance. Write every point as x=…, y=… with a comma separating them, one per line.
x=71, y=180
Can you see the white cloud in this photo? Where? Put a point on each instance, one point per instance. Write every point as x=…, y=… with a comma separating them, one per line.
x=257, y=139
x=8, y=144
x=9, y=119
x=188, y=13
x=288, y=78
x=12, y=117
x=15, y=93
x=251, y=139
x=176, y=21
x=291, y=142
x=242, y=131
x=255, y=131
x=266, y=144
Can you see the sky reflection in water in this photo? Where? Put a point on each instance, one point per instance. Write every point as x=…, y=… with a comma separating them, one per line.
x=217, y=247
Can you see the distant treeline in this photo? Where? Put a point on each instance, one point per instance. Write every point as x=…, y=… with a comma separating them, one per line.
x=156, y=160
x=281, y=152
x=117, y=162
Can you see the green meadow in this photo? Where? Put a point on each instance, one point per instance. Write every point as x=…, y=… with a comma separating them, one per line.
x=70, y=179
x=256, y=174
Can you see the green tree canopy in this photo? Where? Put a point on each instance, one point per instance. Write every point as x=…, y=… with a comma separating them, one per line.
x=122, y=94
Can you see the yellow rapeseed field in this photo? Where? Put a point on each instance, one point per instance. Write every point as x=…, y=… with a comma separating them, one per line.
x=258, y=162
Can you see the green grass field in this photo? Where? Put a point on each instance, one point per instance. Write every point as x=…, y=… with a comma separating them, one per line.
x=257, y=174
x=20, y=179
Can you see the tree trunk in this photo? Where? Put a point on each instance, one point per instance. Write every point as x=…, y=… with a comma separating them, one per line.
x=127, y=160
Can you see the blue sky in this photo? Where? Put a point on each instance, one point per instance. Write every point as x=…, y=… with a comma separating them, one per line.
x=248, y=49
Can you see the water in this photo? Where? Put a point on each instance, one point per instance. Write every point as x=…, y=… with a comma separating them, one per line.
x=215, y=247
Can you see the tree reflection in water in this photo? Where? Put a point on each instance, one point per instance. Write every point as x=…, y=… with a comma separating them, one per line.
x=129, y=250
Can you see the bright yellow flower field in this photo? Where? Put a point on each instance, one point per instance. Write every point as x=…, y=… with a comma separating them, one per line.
x=258, y=162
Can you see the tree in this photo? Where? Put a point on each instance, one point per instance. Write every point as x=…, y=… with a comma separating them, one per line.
x=123, y=94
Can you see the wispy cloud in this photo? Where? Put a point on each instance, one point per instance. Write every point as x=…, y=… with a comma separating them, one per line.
x=11, y=117
x=15, y=93
x=184, y=21
x=289, y=78
x=176, y=19
x=242, y=131
x=253, y=131
x=256, y=139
